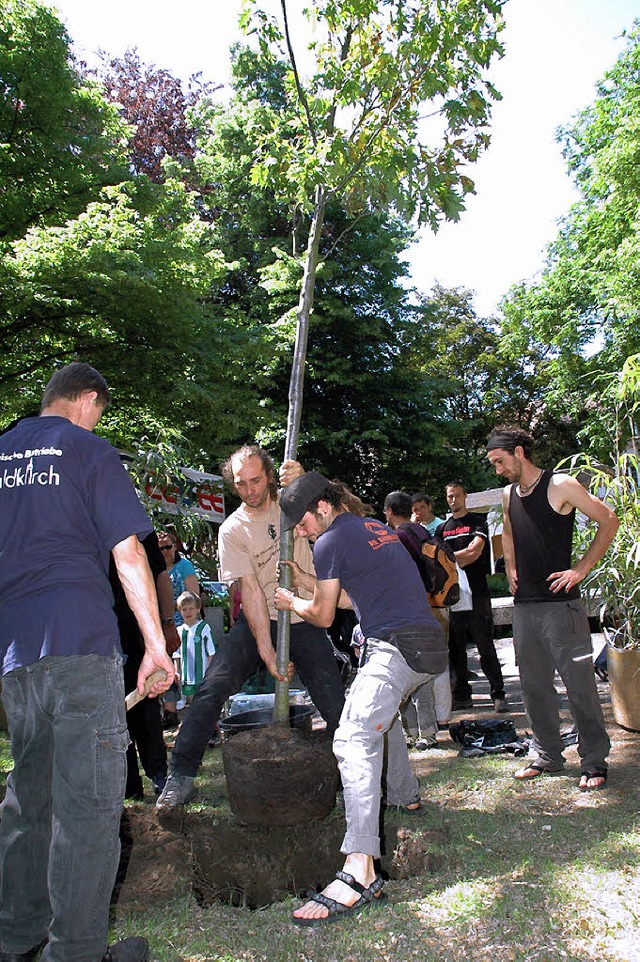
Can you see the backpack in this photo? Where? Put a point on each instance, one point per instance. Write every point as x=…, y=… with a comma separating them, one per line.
x=437, y=567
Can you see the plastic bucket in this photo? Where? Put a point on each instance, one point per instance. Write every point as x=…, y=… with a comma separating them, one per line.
x=243, y=721
x=623, y=666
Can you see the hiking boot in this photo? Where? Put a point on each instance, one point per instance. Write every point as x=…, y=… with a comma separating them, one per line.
x=423, y=744
x=170, y=720
x=158, y=781
x=501, y=705
x=178, y=791
x=133, y=949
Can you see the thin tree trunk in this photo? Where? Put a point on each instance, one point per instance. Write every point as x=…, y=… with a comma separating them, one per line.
x=296, y=388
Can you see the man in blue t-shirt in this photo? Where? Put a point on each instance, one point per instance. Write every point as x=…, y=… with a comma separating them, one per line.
x=66, y=504
x=362, y=561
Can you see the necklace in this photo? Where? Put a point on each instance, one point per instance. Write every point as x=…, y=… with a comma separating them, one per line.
x=526, y=488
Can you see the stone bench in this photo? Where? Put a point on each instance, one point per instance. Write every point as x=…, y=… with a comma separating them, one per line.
x=503, y=609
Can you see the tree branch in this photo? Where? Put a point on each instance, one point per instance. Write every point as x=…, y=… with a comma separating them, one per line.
x=302, y=97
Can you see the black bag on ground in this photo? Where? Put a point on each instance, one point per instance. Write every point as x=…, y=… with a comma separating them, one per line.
x=495, y=736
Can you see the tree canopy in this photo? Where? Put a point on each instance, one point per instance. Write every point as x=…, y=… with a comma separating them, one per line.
x=584, y=312
x=174, y=239
x=60, y=141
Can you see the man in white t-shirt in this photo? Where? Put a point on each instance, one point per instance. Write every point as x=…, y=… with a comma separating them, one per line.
x=249, y=545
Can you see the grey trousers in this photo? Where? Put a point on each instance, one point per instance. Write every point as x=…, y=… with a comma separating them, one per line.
x=369, y=720
x=59, y=832
x=430, y=705
x=550, y=636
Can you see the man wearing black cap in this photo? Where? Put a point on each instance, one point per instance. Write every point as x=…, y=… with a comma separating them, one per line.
x=405, y=648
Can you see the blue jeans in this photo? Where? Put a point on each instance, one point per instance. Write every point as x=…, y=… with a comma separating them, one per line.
x=59, y=832
x=235, y=660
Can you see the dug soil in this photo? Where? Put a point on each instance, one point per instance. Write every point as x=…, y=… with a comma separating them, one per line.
x=220, y=859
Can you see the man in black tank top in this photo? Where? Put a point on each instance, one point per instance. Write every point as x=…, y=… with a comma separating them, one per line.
x=550, y=626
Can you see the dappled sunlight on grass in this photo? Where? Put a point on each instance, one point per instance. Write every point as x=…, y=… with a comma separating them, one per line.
x=6, y=761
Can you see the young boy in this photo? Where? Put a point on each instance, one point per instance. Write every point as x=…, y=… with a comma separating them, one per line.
x=196, y=644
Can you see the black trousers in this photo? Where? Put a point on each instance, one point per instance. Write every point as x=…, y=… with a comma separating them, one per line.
x=475, y=626
x=144, y=722
x=235, y=660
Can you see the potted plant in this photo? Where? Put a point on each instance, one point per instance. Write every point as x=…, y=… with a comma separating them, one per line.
x=614, y=584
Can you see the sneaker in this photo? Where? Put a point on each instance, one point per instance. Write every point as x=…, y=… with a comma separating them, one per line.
x=423, y=744
x=462, y=705
x=215, y=740
x=501, y=705
x=133, y=949
x=158, y=781
x=177, y=791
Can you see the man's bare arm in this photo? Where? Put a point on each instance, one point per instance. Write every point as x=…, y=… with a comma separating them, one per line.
x=307, y=581
x=320, y=610
x=254, y=607
x=471, y=553
x=137, y=581
x=508, y=551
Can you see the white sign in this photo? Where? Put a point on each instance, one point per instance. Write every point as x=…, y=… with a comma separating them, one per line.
x=205, y=499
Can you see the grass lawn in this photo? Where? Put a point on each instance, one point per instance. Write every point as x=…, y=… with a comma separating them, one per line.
x=519, y=871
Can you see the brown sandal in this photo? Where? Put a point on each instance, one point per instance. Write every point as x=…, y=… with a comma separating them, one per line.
x=533, y=767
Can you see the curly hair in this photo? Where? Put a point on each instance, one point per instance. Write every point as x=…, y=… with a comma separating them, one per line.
x=242, y=454
x=508, y=437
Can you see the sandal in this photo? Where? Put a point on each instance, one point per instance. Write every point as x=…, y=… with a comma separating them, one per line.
x=372, y=895
x=593, y=773
x=533, y=767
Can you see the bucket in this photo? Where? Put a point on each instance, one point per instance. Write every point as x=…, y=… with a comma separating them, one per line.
x=244, y=701
x=278, y=775
x=623, y=666
x=243, y=721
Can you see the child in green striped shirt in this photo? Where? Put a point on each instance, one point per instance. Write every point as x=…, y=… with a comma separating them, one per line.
x=196, y=645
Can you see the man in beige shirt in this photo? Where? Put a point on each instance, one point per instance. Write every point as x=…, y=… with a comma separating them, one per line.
x=249, y=544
